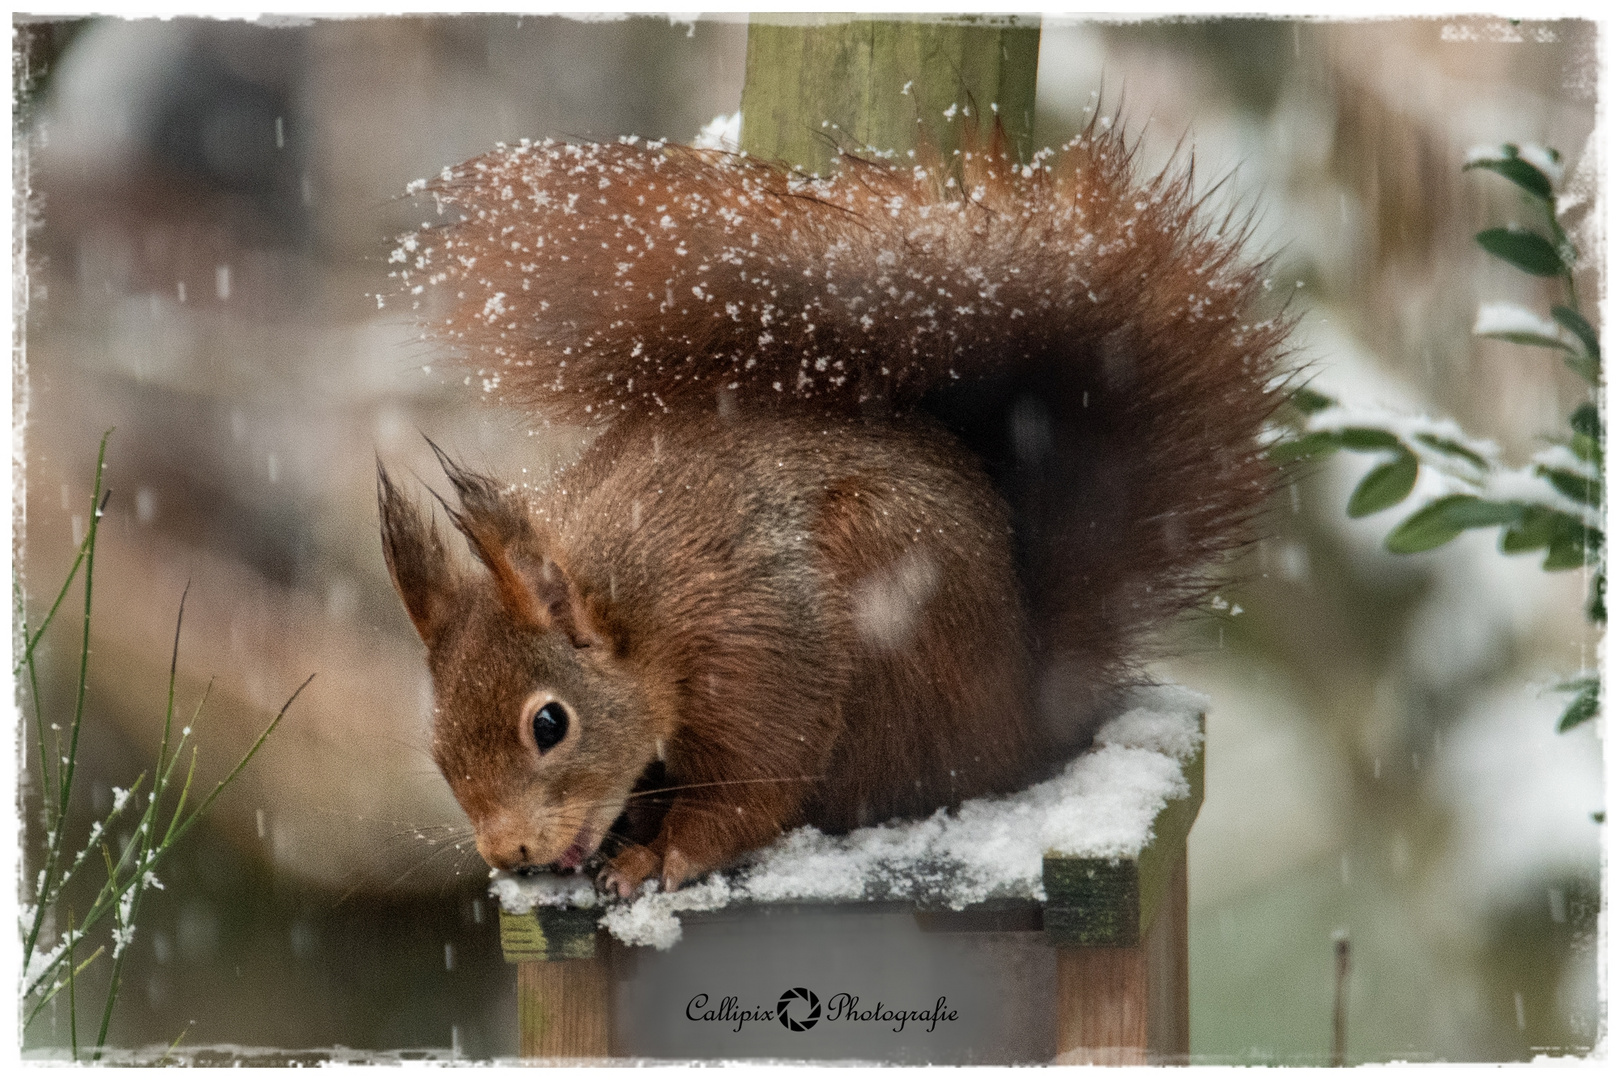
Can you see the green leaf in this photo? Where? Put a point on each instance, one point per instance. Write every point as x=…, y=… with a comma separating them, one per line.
x=1585, y=705
x=1526, y=250
x=1428, y=528
x=1596, y=611
x=1312, y=445
x=1309, y=401
x=1586, y=449
x=1536, y=528
x=1573, y=545
x=1472, y=512
x=1455, y=449
x=1442, y=520
x=1521, y=337
x=1583, y=489
x=1566, y=553
x=1576, y=323
x=1585, y=366
x=1586, y=422
x=1587, y=440
x=1384, y=486
x=1365, y=438
x=1518, y=170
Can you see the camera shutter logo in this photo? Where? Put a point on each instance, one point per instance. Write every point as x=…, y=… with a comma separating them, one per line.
x=798, y=993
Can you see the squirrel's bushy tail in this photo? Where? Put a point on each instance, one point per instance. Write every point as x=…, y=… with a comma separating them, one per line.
x=1088, y=334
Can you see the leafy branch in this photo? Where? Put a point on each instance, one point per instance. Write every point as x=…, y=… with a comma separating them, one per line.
x=1554, y=505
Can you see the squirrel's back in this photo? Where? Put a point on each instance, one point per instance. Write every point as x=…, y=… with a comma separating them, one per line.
x=800, y=570
x=1088, y=336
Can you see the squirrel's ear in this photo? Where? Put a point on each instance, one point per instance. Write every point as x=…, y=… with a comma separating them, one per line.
x=416, y=559
x=564, y=607
x=533, y=588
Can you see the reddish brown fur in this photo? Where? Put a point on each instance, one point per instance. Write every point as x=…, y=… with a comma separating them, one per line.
x=824, y=606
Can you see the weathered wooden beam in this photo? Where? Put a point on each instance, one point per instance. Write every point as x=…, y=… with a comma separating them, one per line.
x=549, y=933
x=816, y=83
x=1128, y=1004
x=1112, y=902
x=1120, y=928
x=565, y=983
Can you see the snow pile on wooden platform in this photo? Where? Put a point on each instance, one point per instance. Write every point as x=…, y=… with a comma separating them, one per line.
x=1101, y=806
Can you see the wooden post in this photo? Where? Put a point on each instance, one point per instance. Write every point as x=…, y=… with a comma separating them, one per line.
x=565, y=983
x=1127, y=1004
x=1120, y=928
x=818, y=82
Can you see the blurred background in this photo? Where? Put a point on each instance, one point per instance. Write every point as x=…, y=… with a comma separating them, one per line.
x=210, y=205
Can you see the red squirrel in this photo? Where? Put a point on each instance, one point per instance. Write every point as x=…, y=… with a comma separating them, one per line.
x=893, y=473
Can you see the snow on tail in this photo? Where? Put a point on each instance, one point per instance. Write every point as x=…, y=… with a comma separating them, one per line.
x=589, y=279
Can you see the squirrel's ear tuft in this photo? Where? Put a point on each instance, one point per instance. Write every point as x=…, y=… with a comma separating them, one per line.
x=533, y=588
x=416, y=559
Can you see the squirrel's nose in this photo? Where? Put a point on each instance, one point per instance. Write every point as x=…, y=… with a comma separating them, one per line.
x=513, y=858
x=505, y=845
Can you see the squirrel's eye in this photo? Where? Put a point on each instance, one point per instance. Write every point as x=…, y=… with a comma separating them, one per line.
x=550, y=725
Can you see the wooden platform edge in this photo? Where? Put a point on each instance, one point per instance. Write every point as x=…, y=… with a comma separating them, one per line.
x=1098, y=902
x=549, y=934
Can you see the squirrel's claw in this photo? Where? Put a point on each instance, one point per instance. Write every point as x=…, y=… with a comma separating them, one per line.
x=678, y=870
x=628, y=870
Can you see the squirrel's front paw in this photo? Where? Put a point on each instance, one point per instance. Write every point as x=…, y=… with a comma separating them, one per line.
x=636, y=864
x=629, y=869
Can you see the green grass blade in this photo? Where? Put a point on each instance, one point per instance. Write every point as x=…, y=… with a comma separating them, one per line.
x=167, y=1054
x=64, y=786
x=160, y=776
x=45, y=784
x=145, y=836
x=114, y=890
x=127, y=922
x=32, y=641
x=73, y=996
x=184, y=735
x=180, y=805
x=96, y=833
x=186, y=825
x=57, y=988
